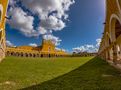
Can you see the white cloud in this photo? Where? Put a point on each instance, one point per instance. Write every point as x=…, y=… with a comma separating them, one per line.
x=98, y=42
x=88, y=48
x=12, y=2
x=44, y=7
x=33, y=44
x=85, y=48
x=54, y=39
x=23, y=22
x=50, y=12
x=52, y=23
x=59, y=49
x=9, y=44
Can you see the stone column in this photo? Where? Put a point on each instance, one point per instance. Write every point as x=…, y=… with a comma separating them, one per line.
x=115, y=54
x=109, y=54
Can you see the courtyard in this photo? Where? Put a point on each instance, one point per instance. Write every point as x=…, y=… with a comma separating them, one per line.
x=70, y=73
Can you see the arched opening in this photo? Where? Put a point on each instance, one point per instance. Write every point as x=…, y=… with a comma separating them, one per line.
x=41, y=55
x=34, y=55
x=117, y=36
x=117, y=29
x=22, y=54
x=17, y=54
x=37, y=55
x=11, y=53
x=30, y=55
x=26, y=55
x=49, y=55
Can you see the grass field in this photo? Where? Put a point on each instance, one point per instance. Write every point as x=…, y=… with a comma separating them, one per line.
x=17, y=73
x=85, y=73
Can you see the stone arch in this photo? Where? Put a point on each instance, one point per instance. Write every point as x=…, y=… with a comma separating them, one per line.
x=114, y=18
x=30, y=55
x=115, y=30
x=26, y=55
x=17, y=54
x=13, y=53
x=21, y=54
x=37, y=55
x=1, y=29
x=34, y=55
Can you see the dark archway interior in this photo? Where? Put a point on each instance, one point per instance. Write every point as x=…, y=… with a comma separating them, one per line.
x=0, y=37
x=117, y=29
x=41, y=55
x=0, y=15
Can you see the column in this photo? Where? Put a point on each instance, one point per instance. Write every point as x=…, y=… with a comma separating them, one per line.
x=115, y=54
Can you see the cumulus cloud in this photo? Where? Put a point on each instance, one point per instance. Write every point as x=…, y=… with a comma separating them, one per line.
x=22, y=22
x=54, y=39
x=59, y=49
x=45, y=7
x=85, y=48
x=12, y=2
x=98, y=42
x=52, y=15
x=33, y=44
x=9, y=44
x=88, y=48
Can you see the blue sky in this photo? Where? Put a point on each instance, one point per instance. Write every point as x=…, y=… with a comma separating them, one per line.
x=83, y=26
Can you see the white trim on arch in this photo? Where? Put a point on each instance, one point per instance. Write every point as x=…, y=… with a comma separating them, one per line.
x=119, y=7
x=108, y=35
x=1, y=9
x=113, y=18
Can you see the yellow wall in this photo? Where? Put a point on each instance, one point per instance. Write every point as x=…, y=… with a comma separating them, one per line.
x=3, y=8
x=48, y=46
x=110, y=47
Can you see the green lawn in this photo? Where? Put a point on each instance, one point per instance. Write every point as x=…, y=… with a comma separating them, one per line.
x=18, y=73
x=84, y=73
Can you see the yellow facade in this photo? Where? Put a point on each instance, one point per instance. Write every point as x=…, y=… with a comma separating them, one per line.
x=47, y=49
x=3, y=10
x=110, y=48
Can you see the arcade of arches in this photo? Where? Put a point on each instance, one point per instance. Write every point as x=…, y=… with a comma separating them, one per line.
x=110, y=48
x=47, y=49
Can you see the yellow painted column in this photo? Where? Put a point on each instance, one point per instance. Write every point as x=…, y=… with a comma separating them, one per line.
x=115, y=54
x=3, y=10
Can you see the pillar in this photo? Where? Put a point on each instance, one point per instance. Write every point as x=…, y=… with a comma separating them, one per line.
x=115, y=54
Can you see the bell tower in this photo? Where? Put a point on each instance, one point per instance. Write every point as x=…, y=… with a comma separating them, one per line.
x=48, y=46
x=3, y=10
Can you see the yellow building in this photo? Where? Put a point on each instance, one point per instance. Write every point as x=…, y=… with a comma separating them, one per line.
x=3, y=10
x=110, y=48
x=47, y=49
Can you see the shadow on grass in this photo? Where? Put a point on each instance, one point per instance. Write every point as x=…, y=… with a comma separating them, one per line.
x=94, y=75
